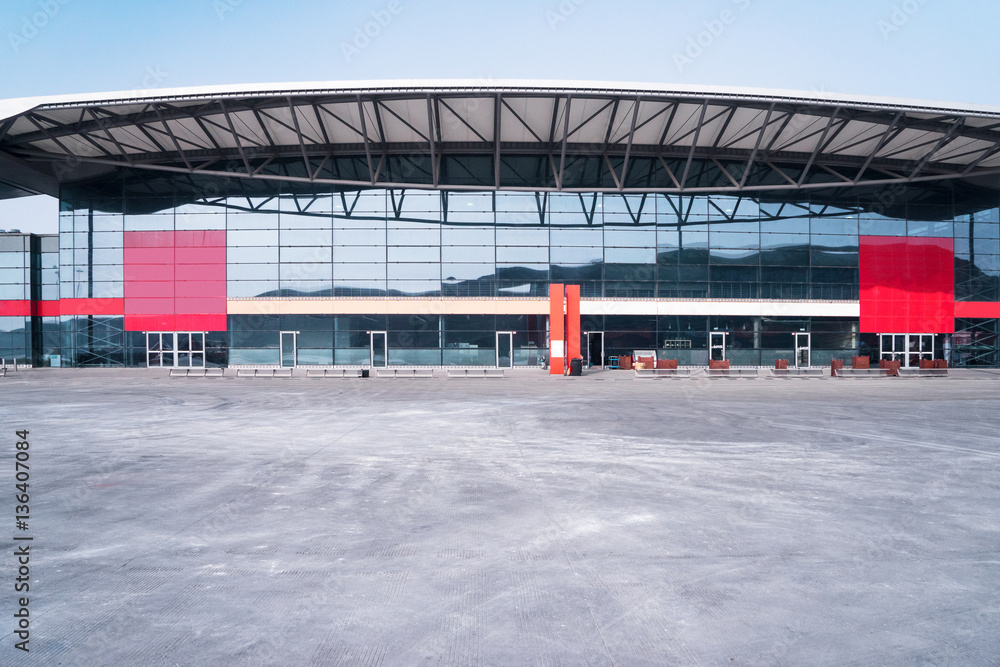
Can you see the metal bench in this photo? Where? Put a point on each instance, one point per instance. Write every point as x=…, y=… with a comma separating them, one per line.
x=404, y=372
x=333, y=372
x=263, y=372
x=798, y=372
x=923, y=372
x=656, y=373
x=861, y=372
x=732, y=373
x=197, y=372
x=476, y=373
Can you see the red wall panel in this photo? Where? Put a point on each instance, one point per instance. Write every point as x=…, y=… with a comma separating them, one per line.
x=977, y=309
x=572, y=321
x=15, y=308
x=47, y=308
x=557, y=350
x=907, y=284
x=92, y=307
x=175, y=281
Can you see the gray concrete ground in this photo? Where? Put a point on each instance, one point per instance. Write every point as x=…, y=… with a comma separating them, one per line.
x=599, y=520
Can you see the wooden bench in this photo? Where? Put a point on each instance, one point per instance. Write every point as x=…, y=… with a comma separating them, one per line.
x=476, y=373
x=860, y=372
x=333, y=372
x=404, y=372
x=732, y=373
x=197, y=372
x=657, y=373
x=798, y=372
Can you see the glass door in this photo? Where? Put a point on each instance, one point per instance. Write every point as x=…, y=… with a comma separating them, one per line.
x=802, y=350
x=190, y=346
x=595, y=349
x=921, y=346
x=379, y=358
x=160, y=349
x=717, y=345
x=892, y=347
x=175, y=349
x=289, y=352
x=505, y=349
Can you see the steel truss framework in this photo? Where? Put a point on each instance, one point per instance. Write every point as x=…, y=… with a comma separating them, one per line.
x=529, y=137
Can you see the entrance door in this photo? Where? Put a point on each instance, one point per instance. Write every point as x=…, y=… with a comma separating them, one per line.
x=289, y=349
x=717, y=345
x=190, y=346
x=921, y=346
x=892, y=347
x=160, y=349
x=175, y=349
x=595, y=349
x=908, y=349
x=802, y=350
x=505, y=349
x=379, y=358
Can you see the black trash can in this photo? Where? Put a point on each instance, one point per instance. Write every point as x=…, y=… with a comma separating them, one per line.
x=364, y=372
x=576, y=366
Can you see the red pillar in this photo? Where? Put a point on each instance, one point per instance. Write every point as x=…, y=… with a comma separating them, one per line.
x=557, y=342
x=572, y=321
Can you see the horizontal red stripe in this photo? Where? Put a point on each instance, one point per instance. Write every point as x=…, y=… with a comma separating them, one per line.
x=15, y=308
x=92, y=306
x=977, y=309
x=47, y=308
x=150, y=323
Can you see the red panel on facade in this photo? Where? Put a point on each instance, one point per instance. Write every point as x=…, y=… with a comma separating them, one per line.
x=572, y=321
x=907, y=284
x=47, y=308
x=175, y=281
x=147, y=272
x=162, y=239
x=557, y=341
x=154, y=323
x=200, y=239
x=92, y=307
x=15, y=308
x=189, y=322
x=145, y=255
x=147, y=289
x=977, y=309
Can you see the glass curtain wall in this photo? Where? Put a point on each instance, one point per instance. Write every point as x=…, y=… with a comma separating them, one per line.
x=392, y=243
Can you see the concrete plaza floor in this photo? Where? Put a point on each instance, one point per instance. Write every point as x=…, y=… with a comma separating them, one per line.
x=601, y=520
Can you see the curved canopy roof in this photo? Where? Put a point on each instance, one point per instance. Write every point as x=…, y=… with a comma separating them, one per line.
x=551, y=136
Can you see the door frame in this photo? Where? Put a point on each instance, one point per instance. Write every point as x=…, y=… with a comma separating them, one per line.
x=175, y=350
x=590, y=361
x=510, y=337
x=281, y=348
x=807, y=348
x=385, y=348
x=713, y=346
x=904, y=355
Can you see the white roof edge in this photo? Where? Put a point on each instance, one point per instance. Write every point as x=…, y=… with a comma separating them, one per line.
x=15, y=106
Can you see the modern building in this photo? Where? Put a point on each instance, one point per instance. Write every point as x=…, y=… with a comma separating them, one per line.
x=425, y=223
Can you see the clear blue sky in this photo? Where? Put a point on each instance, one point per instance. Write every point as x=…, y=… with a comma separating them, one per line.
x=922, y=49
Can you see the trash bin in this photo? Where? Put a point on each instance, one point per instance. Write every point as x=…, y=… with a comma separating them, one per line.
x=576, y=366
x=364, y=372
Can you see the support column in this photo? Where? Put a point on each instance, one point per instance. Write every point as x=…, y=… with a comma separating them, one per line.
x=573, y=321
x=557, y=334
